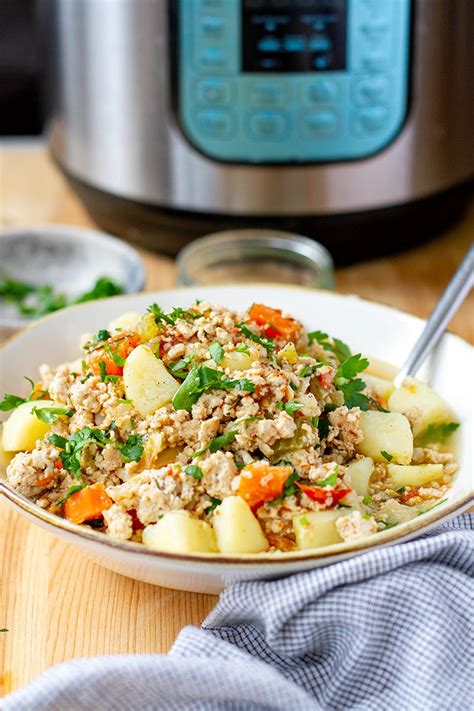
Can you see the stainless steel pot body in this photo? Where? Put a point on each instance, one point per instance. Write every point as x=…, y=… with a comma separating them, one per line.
x=114, y=128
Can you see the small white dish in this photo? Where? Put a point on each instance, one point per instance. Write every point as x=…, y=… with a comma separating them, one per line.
x=368, y=327
x=69, y=258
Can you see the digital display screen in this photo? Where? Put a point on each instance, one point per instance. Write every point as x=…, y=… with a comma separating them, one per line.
x=293, y=35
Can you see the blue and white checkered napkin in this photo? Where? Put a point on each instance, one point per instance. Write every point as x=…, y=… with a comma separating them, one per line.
x=390, y=630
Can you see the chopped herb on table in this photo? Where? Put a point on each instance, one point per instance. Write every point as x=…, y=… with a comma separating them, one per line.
x=33, y=300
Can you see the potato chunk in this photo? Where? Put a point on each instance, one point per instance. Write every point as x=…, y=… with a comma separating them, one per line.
x=23, y=428
x=178, y=532
x=235, y=360
x=126, y=322
x=416, y=475
x=386, y=432
x=421, y=404
x=237, y=529
x=360, y=471
x=147, y=382
x=316, y=528
x=380, y=387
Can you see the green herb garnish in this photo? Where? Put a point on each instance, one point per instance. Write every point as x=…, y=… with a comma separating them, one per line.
x=132, y=449
x=438, y=503
x=199, y=380
x=74, y=444
x=72, y=490
x=437, y=432
x=214, y=503
x=290, y=407
x=386, y=455
x=50, y=415
x=10, y=402
x=289, y=489
x=267, y=343
x=217, y=352
x=335, y=346
x=103, y=288
x=98, y=338
x=351, y=388
x=331, y=479
x=180, y=368
x=242, y=348
x=367, y=500
x=194, y=471
x=176, y=313
x=303, y=521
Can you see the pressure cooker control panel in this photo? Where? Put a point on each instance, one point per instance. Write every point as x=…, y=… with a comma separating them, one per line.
x=292, y=81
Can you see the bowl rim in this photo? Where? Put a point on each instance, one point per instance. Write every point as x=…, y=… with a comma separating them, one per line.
x=398, y=533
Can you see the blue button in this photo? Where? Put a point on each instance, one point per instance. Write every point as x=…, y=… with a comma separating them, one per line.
x=319, y=123
x=321, y=62
x=376, y=62
x=215, y=123
x=265, y=93
x=319, y=43
x=371, y=90
x=371, y=119
x=269, y=44
x=322, y=91
x=294, y=43
x=268, y=124
x=212, y=58
x=212, y=25
x=213, y=92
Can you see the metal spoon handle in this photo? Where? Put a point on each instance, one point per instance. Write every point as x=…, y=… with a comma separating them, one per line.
x=454, y=295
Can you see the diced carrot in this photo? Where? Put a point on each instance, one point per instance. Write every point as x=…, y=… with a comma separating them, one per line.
x=322, y=495
x=38, y=392
x=261, y=482
x=87, y=504
x=408, y=494
x=121, y=345
x=274, y=324
x=44, y=481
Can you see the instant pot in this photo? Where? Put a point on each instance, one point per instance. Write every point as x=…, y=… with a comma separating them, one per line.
x=347, y=120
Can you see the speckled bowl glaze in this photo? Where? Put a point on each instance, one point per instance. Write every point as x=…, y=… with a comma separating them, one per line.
x=370, y=328
x=71, y=259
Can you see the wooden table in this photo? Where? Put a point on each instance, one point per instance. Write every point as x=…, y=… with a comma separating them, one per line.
x=55, y=603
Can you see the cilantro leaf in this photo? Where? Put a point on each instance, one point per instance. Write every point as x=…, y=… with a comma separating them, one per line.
x=74, y=444
x=50, y=415
x=437, y=432
x=194, y=471
x=199, y=380
x=217, y=352
x=179, y=368
x=290, y=407
x=132, y=449
x=267, y=343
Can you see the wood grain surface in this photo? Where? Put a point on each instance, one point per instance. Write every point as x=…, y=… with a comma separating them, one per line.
x=54, y=602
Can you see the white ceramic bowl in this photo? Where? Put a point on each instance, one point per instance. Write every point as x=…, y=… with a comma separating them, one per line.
x=368, y=327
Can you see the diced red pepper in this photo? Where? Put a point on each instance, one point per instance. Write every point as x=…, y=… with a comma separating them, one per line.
x=322, y=496
x=137, y=525
x=273, y=324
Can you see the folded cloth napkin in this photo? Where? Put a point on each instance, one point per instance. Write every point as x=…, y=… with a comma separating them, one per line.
x=392, y=629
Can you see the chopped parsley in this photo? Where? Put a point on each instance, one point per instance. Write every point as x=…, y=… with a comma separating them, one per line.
x=401, y=490
x=176, y=313
x=199, y=380
x=97, y=339
x=331, y=479
x=290, y=407
x=50, y=415
x=213, y=504
x=132, y=449
x=303, y=521
x=350, y=386
x=218, y=442
x=118, y=360
x=194, y=471
x=267, y=343
x=242, y=348
x=34, y=300
x=437, y=432
x=74, y=444
x=180, y=368
x=10, y=402
x=103, y=373
x=217, y=352
x=323, y=427
x=367, y=500
x=335, y=346
x=315, y=421
x=289, y=489
x=386, y=455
